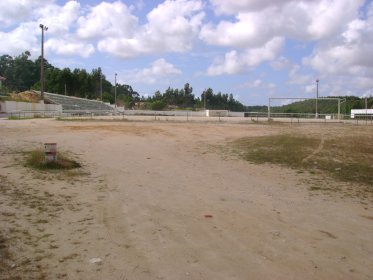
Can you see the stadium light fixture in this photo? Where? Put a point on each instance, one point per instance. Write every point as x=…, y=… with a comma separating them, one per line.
x=43, y=28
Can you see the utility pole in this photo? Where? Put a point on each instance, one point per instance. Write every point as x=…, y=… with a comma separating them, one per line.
x=204, y=100
x=366, y=109
x=115, y=94
x=43, y=28
x=101, y=86
x=317, y=97
x=65, y=89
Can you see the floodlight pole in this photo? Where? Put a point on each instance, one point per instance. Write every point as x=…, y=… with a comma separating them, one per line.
x=115, y=95
x=101, y=86
x=317, y=97
x=43, y=28
x=204, y=100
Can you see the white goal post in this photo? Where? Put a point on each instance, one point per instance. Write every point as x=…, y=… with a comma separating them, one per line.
x=339, y=100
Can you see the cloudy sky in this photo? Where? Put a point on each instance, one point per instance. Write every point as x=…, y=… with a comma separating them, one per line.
x=254, y=49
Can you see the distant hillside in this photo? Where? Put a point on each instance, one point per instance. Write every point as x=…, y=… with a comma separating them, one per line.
x=324, y=106
x=258, y=108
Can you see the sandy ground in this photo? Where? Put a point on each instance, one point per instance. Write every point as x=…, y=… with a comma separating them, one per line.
x=160, y=200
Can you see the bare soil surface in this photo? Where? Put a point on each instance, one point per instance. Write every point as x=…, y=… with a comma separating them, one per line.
x=161, y=200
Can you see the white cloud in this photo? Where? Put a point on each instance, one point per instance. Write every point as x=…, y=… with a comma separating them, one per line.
x=347, y=54
x=258, y=83
x=296, y=77
x=299, y=20
x=310, y=88
x=58, y=19
x=19, y=10
x=20, y=39
x=171, y=27
x=107, y=20
x=235, y=62
x=158, y=69
x=230, y=64
x=281, y=63
x=69, y=48
x=365, y=83
x=26, y=36
x=354, y=31
x=233, y=7
x=235, y=34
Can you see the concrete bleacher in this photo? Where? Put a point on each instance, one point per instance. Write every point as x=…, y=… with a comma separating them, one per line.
x=70, y=103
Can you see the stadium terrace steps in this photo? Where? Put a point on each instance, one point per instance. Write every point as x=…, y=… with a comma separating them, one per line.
x=70, y=103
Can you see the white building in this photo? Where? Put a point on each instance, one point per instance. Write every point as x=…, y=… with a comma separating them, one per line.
x=361, y=113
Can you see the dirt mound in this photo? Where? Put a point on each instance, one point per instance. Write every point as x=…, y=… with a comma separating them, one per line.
x=27, y=96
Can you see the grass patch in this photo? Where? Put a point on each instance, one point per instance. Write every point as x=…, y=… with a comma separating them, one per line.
x=89, y=119
x=36, y=160
x=285, y=150
x=347, y=159
x=19, y=118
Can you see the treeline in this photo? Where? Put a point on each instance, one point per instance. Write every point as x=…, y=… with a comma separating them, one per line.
x=22, y=74
x=184, y=98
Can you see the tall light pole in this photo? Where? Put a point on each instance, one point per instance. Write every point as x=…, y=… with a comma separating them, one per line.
x=101, y=86
x=317, y=97
x=43, y=28
x=204, y=100
x=115, y=94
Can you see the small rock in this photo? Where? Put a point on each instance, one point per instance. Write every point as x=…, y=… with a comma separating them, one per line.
x=95, y=260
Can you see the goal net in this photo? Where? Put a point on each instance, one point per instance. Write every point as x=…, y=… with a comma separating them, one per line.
x=297, y=107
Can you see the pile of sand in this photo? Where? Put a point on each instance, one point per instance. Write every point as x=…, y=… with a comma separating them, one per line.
x=26, y=96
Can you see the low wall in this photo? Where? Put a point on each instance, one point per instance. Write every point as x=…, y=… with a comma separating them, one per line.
x=217, y=113
x=164, y=113
x=14, y=106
